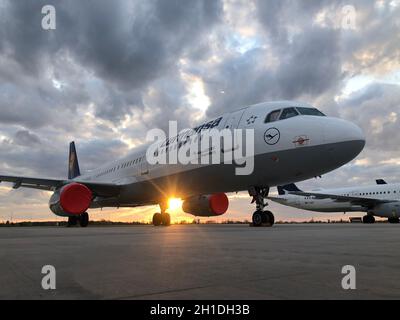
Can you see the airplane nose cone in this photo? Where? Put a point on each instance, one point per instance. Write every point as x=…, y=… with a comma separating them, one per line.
x=352, y=132
x=338, y=130
x=345, y=139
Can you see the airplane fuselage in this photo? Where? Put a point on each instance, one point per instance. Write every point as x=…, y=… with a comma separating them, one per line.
x=291, y=149
x=388, y=192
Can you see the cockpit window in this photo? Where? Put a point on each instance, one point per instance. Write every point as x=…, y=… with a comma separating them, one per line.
x=310, y=112
x=273, y=116
x=288, y=113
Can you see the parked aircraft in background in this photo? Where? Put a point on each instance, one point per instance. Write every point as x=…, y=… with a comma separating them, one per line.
x=381, y=200
x=293, y=141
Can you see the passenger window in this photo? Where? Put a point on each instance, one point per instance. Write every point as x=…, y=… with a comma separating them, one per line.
x=288, y=113
x=273, y=116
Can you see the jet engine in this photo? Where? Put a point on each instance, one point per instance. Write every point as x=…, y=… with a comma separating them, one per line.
x=387, y=210
x=206, y=205
x=72, y=199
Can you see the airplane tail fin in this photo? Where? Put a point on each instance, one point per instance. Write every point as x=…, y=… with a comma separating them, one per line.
x=289, y=187
x=380, y=181
x=73, y=165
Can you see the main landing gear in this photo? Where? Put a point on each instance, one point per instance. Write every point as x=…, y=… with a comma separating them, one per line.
x=83, y=220
x=393, y=220
x=162, y=218
x=261, y=217
x=368, y=219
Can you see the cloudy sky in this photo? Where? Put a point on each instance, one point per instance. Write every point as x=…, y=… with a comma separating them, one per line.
x=111, y=70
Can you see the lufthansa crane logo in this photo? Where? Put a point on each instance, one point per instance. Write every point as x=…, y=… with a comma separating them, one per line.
x=272, y=136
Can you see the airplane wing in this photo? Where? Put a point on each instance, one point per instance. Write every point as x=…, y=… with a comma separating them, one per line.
x=100, y=189
x=366, y=202
x=273, y=198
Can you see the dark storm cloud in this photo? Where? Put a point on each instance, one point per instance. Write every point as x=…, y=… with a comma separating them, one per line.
x=133, y=50
x=310, y=60
x=311, y=65
x=125, y=45
x=376, y=109
x=127, y=42
x=239, y=81
x=378, y=36
x=26, y=155
x=278, y=17
x=31, y=160
x=26, y=138
x=37, y=104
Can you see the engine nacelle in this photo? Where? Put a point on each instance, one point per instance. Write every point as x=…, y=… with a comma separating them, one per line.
x=71, y=199
x=206, y=205
x=387, y=210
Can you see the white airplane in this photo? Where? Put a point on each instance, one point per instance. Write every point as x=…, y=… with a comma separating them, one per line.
x=293, y=141
x=381, y=200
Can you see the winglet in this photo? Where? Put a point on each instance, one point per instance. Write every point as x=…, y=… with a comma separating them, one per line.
x=73, y=165
x=289, y=187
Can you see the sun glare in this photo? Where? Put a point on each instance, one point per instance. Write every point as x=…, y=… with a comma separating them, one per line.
x=174, y=204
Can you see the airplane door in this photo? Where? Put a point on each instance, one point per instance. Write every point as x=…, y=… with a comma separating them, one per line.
x=233, y=120
x=144, y=166
x=232, y=123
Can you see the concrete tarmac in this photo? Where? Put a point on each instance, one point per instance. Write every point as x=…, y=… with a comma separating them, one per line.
x=201, y=262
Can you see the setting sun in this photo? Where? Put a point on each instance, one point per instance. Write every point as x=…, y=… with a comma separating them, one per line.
x=174, y=204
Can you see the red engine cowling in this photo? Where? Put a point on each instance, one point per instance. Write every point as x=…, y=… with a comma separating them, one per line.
x=206, y=205
x=71, y=199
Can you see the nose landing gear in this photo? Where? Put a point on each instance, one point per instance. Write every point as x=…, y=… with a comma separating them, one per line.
x=261, y=217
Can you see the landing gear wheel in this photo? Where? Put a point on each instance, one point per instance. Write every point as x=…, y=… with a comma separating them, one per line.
x=258, y=218
x=261, y=217
x=72, y=221
x=368, y=219
x=270, y=217
x=165, y=219
x=393, y=220
x=157, y=219
x=84, y=220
